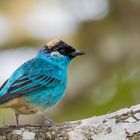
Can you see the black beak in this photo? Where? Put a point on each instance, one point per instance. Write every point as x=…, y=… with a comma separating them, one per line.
x=77, y=53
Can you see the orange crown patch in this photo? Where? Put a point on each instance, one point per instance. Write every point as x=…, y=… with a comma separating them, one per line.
x=53, y=43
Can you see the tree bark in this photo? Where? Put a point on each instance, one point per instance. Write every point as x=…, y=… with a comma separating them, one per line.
x=121, y=125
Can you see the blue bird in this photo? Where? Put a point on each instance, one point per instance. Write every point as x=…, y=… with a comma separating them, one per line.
x=39, y=82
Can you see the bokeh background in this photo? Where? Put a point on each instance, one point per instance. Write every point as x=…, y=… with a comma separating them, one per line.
x=106, y=79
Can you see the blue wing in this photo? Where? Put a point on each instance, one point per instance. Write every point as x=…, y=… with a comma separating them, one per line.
x=28, y=83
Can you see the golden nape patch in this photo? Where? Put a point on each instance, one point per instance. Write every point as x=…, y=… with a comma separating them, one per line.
x=53, y=42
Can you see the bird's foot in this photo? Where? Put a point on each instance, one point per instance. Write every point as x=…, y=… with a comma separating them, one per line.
x=50, y=123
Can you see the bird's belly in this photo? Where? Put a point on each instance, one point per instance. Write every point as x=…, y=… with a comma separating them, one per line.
x=45, y=99
x=20, y=106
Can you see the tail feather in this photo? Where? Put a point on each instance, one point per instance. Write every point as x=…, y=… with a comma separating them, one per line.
x=3, y=85
x=3, y=99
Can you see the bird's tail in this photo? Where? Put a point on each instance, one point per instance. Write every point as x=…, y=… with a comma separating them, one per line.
x=3, y=85
x=1, y=92
x=1, y=100
x=0, y=96
x=1, y=88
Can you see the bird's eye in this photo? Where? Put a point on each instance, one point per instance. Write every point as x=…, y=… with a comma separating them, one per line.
x=55, y=53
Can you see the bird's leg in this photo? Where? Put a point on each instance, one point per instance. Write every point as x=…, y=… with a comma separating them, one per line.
x=17, y=118
x=48, y=121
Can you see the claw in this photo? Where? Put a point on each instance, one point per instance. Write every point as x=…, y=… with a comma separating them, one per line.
x=49, y=123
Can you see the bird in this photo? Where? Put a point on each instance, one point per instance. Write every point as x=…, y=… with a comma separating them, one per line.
x=40, y=82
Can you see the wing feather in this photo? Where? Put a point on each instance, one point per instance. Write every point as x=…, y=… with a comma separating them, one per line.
x=24, y=85
x=29, y=83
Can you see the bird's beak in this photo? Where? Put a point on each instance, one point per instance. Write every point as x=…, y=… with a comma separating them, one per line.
x=77, y=53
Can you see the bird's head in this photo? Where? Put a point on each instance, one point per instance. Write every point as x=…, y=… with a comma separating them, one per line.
x=58, y=48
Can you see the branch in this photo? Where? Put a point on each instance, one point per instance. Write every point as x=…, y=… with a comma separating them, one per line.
x=121, y=125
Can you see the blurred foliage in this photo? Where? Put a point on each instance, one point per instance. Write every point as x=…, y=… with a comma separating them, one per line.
x=108, y=77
